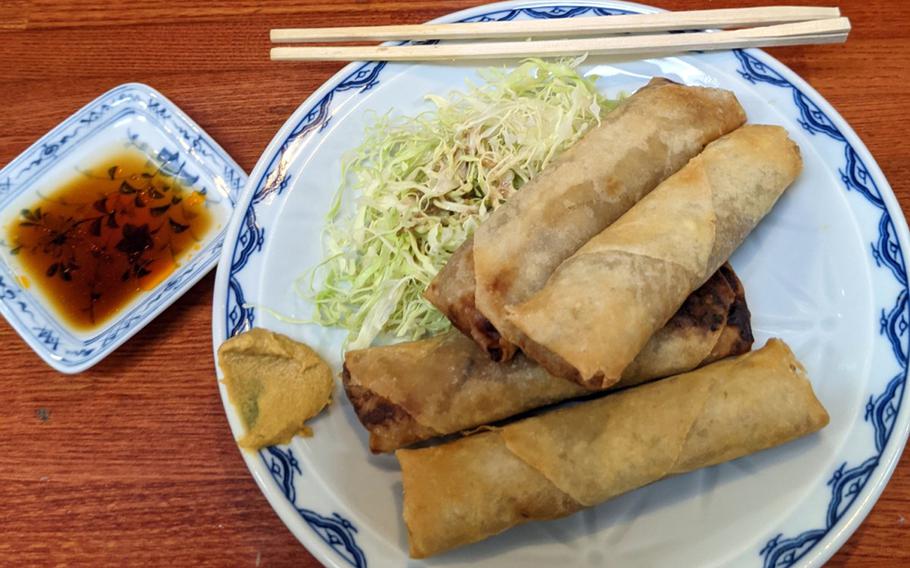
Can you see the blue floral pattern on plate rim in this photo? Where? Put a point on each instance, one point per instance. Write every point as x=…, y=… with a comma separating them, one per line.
x=858, y=174
x=188, y=148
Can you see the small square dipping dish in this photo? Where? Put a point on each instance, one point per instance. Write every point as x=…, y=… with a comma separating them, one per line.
x=131, y=115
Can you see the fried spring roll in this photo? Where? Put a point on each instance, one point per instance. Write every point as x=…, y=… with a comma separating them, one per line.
x=648, y=262
x=410, y=392
x=554, y=464
x=651, y=135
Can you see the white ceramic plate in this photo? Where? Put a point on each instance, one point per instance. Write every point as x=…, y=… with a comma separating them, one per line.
x=131, y=115
x=825, y=271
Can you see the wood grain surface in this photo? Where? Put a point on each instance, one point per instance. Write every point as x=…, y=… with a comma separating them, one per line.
x=132, y=463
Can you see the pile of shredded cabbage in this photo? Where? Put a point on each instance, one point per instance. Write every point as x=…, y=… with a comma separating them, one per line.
x=422, y=185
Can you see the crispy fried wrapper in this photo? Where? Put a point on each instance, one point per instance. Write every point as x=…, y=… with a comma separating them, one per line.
x=414, y=391
x=556, y=463
x=649, y=136
x=647, y=262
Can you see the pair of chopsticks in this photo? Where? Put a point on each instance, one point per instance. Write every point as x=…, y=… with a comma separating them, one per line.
x=741, y=28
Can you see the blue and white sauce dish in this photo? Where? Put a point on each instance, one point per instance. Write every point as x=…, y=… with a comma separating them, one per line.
x=129, y=120
x=826, y=271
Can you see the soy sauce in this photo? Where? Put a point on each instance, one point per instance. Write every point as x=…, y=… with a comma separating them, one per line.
x=107, y=235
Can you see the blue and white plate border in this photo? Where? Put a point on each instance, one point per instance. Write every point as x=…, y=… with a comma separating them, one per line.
x=203, y=157
x=854, y=487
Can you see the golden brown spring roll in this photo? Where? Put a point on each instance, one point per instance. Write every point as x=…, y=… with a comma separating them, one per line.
x=646, y=138
x=556, y=463
x=410, y=392
x=647, y=262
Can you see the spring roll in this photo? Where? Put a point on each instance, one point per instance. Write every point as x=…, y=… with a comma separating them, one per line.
x=556, y=463
x=648, y=262
x=649, y=136
x=410, y=392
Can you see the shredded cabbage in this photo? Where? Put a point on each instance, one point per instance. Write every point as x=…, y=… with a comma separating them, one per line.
x=424, y=183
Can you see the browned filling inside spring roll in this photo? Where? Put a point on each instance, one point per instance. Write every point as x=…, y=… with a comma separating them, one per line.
x=410, y=392
x=559, y=462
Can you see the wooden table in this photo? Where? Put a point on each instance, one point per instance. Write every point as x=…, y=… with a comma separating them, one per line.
x=132, y=462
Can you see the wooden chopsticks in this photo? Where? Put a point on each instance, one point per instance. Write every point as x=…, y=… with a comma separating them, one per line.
x=598, y=25
x=776, y=25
